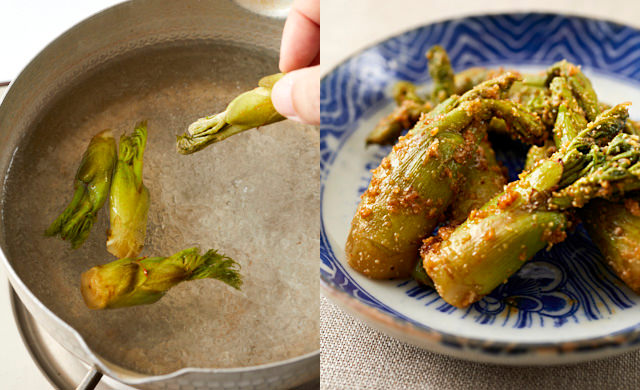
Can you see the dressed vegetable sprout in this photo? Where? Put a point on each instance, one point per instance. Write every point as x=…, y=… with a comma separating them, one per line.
x=482, y=177
x=129, y=198
x=469, y=262
x=402, y=203
x=530, y=91
x=410, y=105
x=410, y=108
x=614, y=226
x=441, y=73
x=615, y=229
x=584, y=167
x=91, y=187
x=130, y=282
x=250, y=109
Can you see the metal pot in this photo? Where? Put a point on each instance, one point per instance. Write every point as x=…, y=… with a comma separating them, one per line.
x=133, y=29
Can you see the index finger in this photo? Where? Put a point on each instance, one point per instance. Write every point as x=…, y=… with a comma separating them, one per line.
x=300, y=45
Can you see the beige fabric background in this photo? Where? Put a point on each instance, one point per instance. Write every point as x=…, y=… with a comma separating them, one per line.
x=355, y=356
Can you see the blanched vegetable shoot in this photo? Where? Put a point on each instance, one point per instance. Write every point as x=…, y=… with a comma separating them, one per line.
x=92, y=183
x=129, y=198
x=130, y=282
x=250, y=109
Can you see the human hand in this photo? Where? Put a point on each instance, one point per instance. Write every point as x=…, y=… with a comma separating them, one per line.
x=297, y=94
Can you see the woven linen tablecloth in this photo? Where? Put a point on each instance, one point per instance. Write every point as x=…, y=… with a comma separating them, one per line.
x=355, y=356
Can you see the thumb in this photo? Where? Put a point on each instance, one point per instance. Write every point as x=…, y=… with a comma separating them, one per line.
x=297, y=95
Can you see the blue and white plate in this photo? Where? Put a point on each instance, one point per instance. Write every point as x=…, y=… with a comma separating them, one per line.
x=564, y=305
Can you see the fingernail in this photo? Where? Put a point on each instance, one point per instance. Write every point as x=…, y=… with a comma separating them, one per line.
x=281, y=97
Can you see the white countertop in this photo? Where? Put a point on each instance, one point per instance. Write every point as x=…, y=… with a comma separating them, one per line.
x=28, y=26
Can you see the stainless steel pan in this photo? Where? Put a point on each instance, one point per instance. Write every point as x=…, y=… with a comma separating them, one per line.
x=253, y=196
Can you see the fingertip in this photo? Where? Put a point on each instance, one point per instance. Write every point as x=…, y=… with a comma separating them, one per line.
x=300, y=43
x=281, y=96
x=297, y=95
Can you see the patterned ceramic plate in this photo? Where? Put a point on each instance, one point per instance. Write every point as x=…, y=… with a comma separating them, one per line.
x=562, y=306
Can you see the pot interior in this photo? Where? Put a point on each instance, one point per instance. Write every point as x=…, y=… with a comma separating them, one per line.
x=253, y=197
